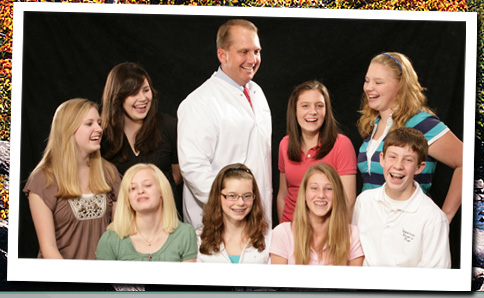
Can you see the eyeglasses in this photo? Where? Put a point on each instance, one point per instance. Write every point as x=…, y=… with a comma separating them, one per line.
x=234, y=197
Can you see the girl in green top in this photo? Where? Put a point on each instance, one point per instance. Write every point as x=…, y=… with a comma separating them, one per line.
x=146, y=225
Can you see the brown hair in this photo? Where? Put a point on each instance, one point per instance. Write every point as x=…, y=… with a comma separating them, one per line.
x=124, y=80
x=407, y=136
x=213, y=226
x=328, y=133
x=224, y=39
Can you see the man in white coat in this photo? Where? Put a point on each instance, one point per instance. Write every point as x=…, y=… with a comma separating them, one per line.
x=226, y=120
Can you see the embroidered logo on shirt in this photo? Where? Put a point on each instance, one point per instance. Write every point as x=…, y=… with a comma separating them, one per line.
x=407, y=236
x=88, y=207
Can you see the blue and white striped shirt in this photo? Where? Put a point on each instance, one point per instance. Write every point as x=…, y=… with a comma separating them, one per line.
x=372, y=171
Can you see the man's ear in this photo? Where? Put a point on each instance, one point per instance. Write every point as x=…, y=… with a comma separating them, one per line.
x=420, y=167
x=221, y=55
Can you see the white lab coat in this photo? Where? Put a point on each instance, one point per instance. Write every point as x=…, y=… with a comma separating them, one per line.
x=217, y=127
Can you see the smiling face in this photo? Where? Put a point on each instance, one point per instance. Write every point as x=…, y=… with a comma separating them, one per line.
x=400, y=165
x=88, y=135
x=144, y=192
x=236, y=211
x=136, y=106
x=319, y=196
x=242, y=58
x=381, y=88
x=310, y=111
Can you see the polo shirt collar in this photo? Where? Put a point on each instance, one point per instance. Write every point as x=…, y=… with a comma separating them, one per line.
x=387, y=127
x=412, y=203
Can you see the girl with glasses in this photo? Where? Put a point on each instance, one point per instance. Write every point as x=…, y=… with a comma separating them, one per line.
x=234, y=228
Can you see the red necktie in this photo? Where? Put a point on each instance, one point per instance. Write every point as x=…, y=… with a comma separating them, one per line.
x=246, y=92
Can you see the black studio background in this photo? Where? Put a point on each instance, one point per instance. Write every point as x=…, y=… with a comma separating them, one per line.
x=67, y=55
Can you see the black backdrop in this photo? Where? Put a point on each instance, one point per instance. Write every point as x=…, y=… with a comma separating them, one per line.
x=67, y=55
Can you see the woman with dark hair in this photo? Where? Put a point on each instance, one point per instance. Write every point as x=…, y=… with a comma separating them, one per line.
x=393, y=98
x=234, y=229
x=134, y=130
x=312, y=137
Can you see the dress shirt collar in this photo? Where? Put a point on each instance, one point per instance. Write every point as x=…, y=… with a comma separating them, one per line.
x=222, y=75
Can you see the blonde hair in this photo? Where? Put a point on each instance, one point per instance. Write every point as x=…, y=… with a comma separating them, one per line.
x=60, y=159
x=337, y=240
x=410, y=99
x=224, y=36
x=124, y=222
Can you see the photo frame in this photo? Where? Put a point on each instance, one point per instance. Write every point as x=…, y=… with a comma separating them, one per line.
x=176, y=44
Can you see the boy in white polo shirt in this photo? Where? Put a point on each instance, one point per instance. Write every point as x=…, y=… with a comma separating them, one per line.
x=399, y=225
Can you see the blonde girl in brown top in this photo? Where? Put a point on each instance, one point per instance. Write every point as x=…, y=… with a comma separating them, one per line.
x=72, y=190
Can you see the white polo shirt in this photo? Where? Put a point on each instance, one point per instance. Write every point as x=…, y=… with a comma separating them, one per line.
x=413, y=234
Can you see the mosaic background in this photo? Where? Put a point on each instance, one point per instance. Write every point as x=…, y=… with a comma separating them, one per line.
x=6, y=31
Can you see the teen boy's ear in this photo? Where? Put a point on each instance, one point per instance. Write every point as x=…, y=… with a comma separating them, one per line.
x=420, y=167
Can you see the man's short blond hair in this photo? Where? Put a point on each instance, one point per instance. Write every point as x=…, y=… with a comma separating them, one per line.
x=223, y=35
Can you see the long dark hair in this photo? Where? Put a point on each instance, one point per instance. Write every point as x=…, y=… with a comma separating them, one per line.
x=124, y=80
x=328, y=131
x=213, y=226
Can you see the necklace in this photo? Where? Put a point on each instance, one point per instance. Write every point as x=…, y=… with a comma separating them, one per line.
x=154, y=237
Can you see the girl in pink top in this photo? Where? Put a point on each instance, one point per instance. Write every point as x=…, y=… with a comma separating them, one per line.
x=319, y=233
x=313, y=137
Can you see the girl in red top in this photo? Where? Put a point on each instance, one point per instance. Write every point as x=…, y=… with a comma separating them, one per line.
x=312, y=137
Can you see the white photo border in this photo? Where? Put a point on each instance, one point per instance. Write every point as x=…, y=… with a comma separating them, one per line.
x=331, y=277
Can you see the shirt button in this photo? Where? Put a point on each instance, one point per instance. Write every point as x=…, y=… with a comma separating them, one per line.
x=309, y=155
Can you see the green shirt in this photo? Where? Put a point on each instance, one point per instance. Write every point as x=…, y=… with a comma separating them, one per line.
x=181, y=245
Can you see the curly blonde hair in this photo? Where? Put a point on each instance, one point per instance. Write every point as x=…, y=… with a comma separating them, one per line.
x=410, y=98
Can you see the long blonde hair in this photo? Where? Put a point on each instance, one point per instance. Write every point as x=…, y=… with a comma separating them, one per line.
x=410, y=98
x=337, y=242
x=60, y=159
x=124, y=222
